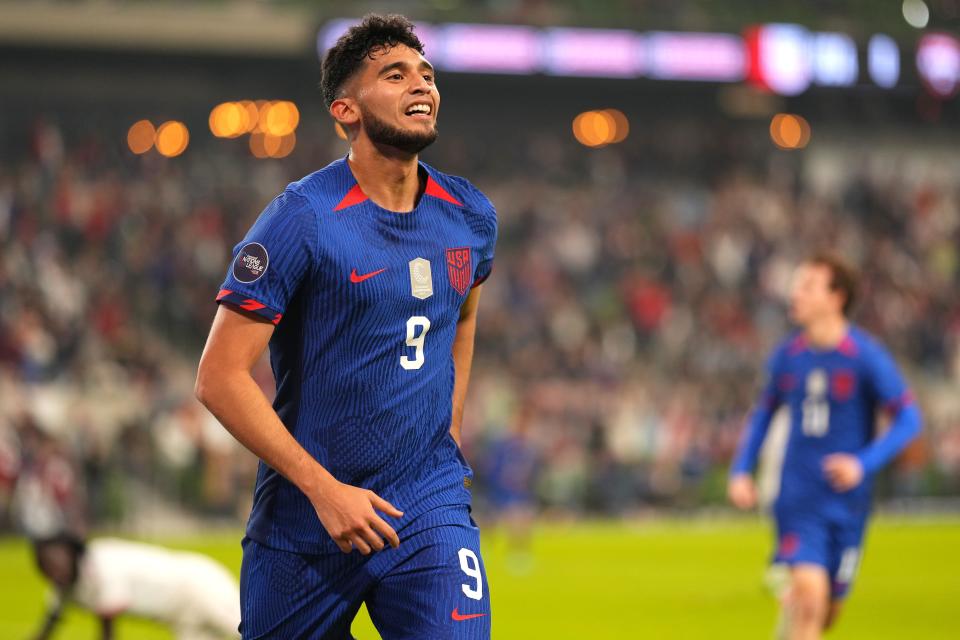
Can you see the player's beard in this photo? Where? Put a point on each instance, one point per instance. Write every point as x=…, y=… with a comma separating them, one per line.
x=383, y=133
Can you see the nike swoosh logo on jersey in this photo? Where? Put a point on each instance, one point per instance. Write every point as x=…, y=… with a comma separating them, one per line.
x=459, y=617
x=356, y=279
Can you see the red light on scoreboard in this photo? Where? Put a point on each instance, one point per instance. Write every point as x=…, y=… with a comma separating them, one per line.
x=780, y=58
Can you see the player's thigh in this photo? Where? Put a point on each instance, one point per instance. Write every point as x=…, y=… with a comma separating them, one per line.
x=291, y=596
x=438, y=590
x=811, y=583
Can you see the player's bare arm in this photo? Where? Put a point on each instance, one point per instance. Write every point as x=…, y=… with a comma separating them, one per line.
x=463, y=357
x=226, y=387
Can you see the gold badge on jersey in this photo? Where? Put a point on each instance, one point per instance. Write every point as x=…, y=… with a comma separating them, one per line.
x=421, y=281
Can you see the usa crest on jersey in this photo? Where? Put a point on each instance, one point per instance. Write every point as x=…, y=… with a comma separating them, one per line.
x=458, y=268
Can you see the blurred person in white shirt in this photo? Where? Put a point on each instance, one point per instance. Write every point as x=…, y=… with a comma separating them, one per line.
x=191, y=593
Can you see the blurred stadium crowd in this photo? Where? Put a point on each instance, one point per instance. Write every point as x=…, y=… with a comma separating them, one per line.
x=635, y=291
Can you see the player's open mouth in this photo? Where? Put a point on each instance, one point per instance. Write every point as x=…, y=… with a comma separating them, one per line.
x=421, y=110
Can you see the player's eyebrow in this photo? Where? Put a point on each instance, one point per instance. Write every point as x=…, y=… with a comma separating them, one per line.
x=402, y=65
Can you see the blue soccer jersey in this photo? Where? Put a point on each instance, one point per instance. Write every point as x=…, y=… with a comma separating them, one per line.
x=833, y=398
x=366, y=303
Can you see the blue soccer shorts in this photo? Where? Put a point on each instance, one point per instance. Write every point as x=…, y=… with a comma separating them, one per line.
x=433, y=586
x=834, y=546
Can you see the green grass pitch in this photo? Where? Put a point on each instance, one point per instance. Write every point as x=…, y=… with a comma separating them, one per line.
x=660, y=579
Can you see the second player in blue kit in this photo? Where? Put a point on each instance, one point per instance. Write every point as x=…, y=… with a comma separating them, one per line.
x=833, y=379
x=364, y=277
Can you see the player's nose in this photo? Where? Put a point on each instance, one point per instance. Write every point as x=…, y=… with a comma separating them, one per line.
x=420, y=85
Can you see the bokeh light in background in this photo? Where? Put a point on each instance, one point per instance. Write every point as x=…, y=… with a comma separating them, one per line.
x=600, y=128
x=789, y=131
x=229, y=120
x=938, y=62
x=266, y=145
x=141, y=136
x=916, y=13
x=340, y=131
x=279, y=118
x=270, y=123
x=172, y=138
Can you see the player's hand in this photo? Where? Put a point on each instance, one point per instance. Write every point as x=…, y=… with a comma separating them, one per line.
x=349, y=514
x=844, y=471
x=742, y=491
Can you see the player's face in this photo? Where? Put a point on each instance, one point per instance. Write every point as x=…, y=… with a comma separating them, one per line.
x=811, y=297
x=398, y=99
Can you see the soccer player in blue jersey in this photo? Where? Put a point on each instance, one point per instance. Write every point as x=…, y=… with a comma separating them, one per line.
x=364, y=279
x=833, y=378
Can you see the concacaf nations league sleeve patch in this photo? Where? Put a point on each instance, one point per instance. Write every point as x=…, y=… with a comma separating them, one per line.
x=251, y=263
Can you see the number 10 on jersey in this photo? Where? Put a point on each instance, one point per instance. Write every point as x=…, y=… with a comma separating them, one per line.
x=417, y=327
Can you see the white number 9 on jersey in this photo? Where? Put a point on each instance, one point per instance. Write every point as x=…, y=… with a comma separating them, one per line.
x=470, y=565
x=417, y=327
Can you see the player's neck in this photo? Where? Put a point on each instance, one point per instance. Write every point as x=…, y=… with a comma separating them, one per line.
x=390, y=178
x=827, y=332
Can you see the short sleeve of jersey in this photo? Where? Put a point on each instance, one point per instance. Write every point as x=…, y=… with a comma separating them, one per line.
x=483, y=220
x=276, y=255
x=889, y=388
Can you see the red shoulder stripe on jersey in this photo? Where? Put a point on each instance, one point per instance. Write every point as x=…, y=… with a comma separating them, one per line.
x=252, y=305
x=480, y=281
x=354, y=196
x=249, y=304
x=895, y=405
x=848, y=347
x=435, y=190
x=797, y=345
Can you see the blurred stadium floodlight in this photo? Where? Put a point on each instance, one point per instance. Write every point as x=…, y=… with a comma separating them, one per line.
x=141, y=136
x=916, y=13
x=789, y=131
x=600, y=128
x=172, y=138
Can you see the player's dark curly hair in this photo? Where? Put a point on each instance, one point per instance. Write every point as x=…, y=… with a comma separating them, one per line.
x=375, y=32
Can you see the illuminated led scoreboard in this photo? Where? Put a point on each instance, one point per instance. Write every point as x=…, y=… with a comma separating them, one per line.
x=786, y=59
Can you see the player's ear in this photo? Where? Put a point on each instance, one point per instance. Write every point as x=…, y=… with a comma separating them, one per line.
x=345, y=111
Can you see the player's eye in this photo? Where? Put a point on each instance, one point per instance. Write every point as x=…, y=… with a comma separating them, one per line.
x=395, y=76
x=428, y=77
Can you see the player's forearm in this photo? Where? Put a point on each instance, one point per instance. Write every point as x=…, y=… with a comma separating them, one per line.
x=462, y=364
x=751, y=441
x=904, y=428
x=238, y=403
x=463, y=358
